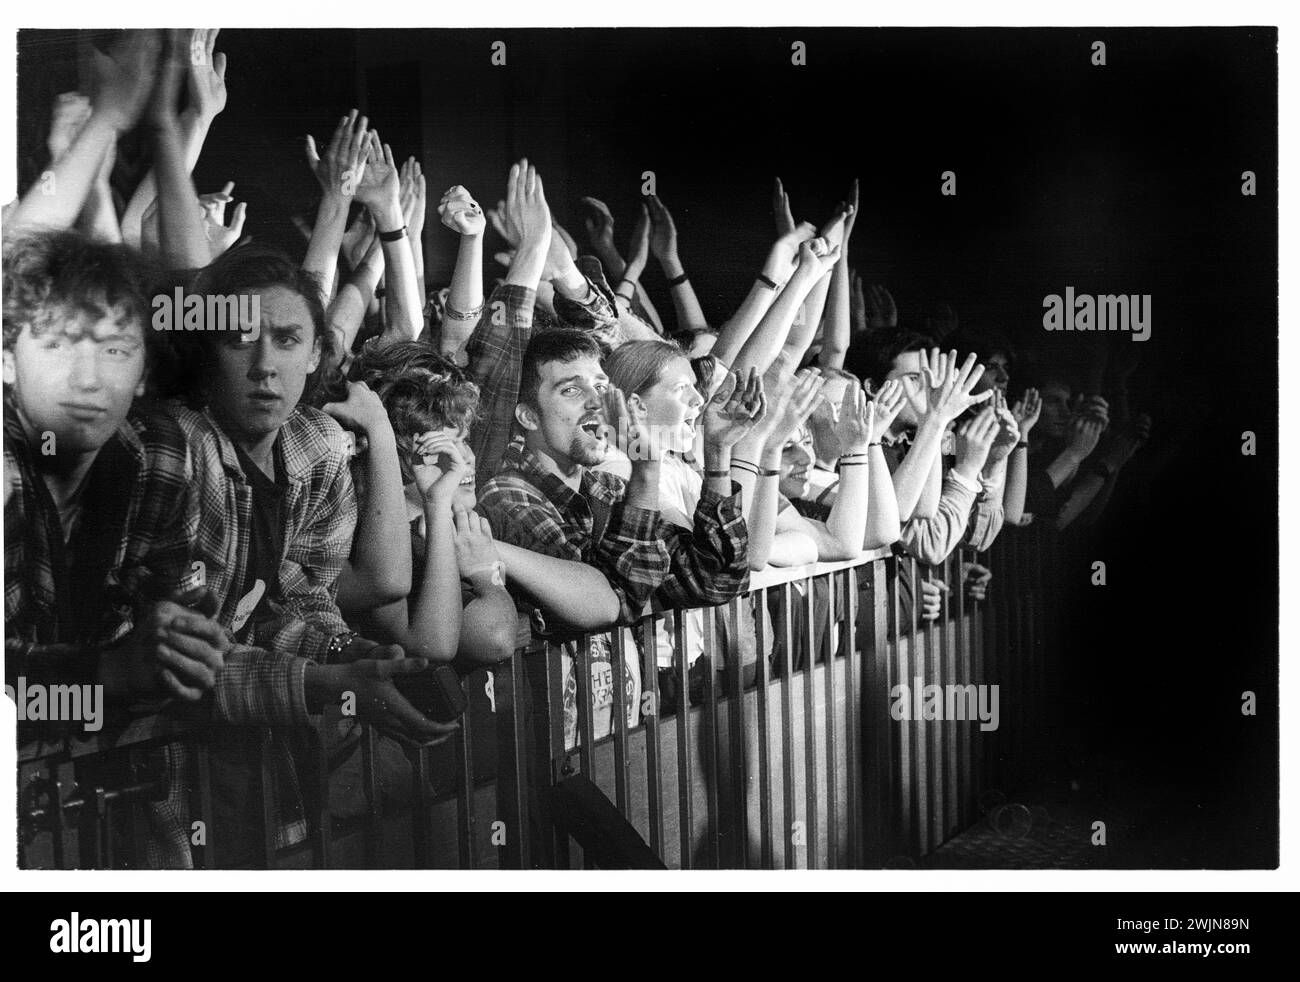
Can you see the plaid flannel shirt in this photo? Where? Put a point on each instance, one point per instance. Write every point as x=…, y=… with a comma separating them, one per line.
x=67, y=605
x=496, y=353
x=132, y=538
x=531, y=507
x=262, y=683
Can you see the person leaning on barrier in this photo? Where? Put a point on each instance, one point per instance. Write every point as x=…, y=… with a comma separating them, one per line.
x=277, y=512
x=701, y=511
x=97, y=529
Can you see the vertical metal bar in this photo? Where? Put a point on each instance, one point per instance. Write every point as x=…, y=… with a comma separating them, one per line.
x=266, y=799
x=810, y=723
x=370, y=787
x=653, y=768
x=920, y=758
x=787, y=724
x=833, y=581
x=203, y=764
x=965, y=728
x=512, y=791
x=712, y=773
x=685, y=782
x=467, y=821
x=952, y=784
x=900, y=730
x=422, y=830
x=934, y=727
x=736, y=721
x=759, y=614
x=618, y=717
x=586, y=710
x=879, y=817
x=853, y=708
x=554, y=757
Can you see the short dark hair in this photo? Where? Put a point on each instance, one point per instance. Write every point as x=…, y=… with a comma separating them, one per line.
x=561, y=345
x=52, y=274
x=244, y=269
x=421, y=390
x=875, y=359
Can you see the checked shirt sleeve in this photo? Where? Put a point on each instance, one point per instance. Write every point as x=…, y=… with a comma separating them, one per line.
x=496, y=359
x=709, y=564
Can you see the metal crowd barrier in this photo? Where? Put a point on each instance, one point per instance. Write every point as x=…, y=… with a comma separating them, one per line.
x=787, y=755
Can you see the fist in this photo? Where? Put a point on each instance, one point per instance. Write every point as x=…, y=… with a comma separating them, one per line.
x=461, y=213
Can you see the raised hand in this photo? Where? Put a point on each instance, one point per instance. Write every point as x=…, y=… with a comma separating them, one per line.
x=1124, y=444
x=412, y=196
x=628, y=431
x=219, y=237
x=1026, y=411
x=1085, y=434
x=886, y=405
x=974, y=440
x=734, y=410
x=945, y=390
x=795, y=406
x=817, y=257
x=639, y=249
x=164, y=102
x=785, y=224
x=206, y=79
x=124, y=78
x=460, y=212
x=527, y=214
x=600, y=227
x=71, y=110
x=851, y=215
x=855, y=425
x=1007, y=434
x=380, y=187
x=342, y=167
x=663, y=231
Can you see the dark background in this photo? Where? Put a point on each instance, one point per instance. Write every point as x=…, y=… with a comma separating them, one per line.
x=1117, y=179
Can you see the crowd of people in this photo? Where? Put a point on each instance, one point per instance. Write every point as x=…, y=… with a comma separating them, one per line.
x=271, y=508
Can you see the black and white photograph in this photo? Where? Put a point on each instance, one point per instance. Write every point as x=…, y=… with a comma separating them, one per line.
x=681, y=449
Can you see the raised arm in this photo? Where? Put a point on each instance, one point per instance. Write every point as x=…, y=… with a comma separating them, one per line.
x=380, y=191
x=206, y=86
x=379, y=568
x=663, y=243
x=412, y=194
x=942, y=394
x=838, y=324
x=1026, y=412
x=458, y=211
x=338, y=171
x=124, y=79
x=182, y=241
x=816, y=258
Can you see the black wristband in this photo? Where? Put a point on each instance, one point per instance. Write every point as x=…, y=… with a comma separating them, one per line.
x=726, y=473
x=678, y=280
x=767, y=281
x=394, y=235
x=1022, y=443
